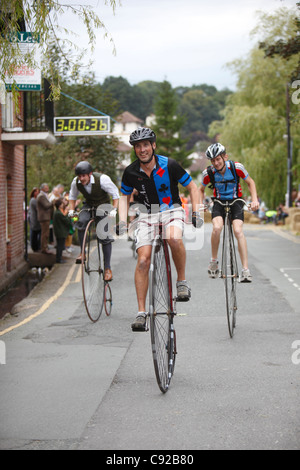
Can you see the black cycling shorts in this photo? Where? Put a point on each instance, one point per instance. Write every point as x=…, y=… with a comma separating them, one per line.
x=237, y=210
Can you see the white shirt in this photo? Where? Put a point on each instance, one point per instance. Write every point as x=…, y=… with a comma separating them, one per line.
x=105, y=183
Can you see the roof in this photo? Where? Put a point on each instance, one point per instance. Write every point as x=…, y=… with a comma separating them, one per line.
x=127, y=117
x=198, y=161
x=123, y=147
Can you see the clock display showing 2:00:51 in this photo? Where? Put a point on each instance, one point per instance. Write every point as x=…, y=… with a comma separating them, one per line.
x=81, y=125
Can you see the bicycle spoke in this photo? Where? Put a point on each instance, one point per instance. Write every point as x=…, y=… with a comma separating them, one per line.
x=230, y=278
x=107, y=299
x=92, y=276
x=161, y=319
x=161, y=350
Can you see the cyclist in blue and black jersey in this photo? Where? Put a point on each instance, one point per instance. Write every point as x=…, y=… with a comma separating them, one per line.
x=156, y=179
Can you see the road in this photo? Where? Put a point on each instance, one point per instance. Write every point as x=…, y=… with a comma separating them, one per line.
x=70, y=384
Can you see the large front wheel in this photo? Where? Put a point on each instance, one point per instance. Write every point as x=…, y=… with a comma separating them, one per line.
x=92, y=274
x=163, y=337
x=230, y=275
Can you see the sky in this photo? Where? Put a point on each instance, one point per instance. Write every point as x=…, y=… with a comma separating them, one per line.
x=186, y=42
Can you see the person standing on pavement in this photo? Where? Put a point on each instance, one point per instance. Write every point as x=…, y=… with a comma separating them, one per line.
x=224, y=176
x=44, y=211
x=97, y=189
x=61, y=227
x=35, y=227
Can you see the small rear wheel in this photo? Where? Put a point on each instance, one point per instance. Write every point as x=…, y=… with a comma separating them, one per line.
x=107, y=299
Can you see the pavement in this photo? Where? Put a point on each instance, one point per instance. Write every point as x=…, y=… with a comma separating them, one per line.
x=71, y=384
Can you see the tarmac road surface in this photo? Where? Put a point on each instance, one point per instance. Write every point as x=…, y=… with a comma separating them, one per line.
x=66, y=383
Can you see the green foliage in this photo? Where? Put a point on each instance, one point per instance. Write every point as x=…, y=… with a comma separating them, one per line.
x=56, y=164
x=285, y=47
x=137, y=99
x=254, y=122
x=168, y=124
x=90, y=93
x=42, y=18
x=201, y=105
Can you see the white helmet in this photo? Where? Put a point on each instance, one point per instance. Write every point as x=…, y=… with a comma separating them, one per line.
x=214, y=150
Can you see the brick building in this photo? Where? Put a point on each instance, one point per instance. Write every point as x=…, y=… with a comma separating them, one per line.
x=15, y=135
x=12, y=233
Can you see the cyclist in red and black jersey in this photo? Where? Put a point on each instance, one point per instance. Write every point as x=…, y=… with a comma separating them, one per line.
x=225, y=176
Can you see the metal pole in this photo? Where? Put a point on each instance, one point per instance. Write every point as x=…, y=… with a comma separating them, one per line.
x=289, y=148
x=25, y=181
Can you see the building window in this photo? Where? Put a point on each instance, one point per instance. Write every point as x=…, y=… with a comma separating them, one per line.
x=8, y=112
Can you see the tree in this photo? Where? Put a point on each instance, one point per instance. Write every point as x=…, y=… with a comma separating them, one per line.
x=145, y=95
x=286, y=48
x=121, y=90
x=56, y=164
x=168, y=124
x=41, y=17
x=254, y=122
x=88, y=91
x=200, y=110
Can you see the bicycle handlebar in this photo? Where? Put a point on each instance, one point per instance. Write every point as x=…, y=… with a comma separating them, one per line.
x=231, y=203
x=92, y=209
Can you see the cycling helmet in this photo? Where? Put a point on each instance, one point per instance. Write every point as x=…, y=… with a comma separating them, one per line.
x=83, y=168
x=214, y=150
x=142, y=133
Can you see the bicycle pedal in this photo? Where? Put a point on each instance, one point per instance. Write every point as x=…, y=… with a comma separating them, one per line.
x=182, y=299
x=139, y=329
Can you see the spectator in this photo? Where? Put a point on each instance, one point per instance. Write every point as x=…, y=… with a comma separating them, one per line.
x=56, y=193
x=294, y=197
x=35, y=226
x=282, y=213
x=61, y=225
x=69, y=239
x=44, y=211
x=261, y=213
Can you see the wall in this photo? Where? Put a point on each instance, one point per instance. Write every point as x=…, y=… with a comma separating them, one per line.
x=11, y=209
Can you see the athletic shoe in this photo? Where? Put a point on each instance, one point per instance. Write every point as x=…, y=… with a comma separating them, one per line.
x=183, y=291
x=140, y=323
x=213, y=269
x=245, y=276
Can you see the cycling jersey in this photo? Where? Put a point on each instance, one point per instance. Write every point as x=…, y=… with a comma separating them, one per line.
x=159, y=192
x=226, y=187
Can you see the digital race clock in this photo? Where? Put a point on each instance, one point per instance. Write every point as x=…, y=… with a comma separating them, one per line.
x=83, y=125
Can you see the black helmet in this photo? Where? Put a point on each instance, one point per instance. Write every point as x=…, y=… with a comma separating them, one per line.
x=214, y=150
x=83, y=168
x=142, y=133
